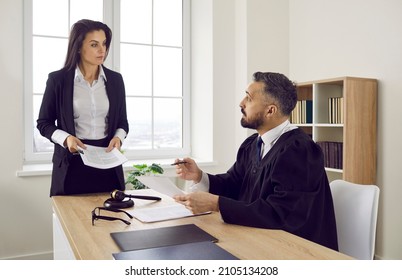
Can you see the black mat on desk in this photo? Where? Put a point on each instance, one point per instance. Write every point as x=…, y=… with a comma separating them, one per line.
x=206, y=250
x=159, y=237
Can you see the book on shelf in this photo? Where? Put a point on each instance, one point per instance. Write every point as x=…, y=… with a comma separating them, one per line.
x=335, y=110
x=333, y=153
x=303, y=112
x=309, y=111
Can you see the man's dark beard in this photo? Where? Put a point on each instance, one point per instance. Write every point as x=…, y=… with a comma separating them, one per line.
x=252, y=124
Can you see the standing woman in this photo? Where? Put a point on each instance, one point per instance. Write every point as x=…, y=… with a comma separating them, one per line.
x=84, y=103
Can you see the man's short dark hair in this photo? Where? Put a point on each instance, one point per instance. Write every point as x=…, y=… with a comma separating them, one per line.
x=280, y=88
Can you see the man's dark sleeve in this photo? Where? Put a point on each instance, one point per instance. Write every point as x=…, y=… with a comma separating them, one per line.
x=299, y=201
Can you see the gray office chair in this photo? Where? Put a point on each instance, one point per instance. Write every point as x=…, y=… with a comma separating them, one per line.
x=356, y=209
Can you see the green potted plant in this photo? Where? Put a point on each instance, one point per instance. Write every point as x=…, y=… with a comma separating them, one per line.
x=142, y=169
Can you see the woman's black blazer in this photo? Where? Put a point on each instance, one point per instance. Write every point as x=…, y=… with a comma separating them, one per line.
x=56, y=112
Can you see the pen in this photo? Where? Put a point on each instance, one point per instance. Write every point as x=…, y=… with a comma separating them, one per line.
x=78, y=152
x=179, y=162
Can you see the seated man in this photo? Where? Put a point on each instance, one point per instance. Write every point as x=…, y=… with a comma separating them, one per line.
x=278, y=184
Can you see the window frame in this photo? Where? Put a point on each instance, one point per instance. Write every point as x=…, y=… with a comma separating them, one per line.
x=112, y=62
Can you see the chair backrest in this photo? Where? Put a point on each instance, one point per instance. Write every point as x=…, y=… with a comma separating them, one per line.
x=356, y=209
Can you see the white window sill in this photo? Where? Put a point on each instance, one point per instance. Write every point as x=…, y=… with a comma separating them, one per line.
x=45, y=169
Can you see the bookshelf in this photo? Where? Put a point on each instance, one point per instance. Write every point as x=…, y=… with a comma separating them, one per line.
x=342, y=118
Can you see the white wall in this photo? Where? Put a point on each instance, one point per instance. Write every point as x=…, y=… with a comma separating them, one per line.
x=302, y=38
x=232, y=41
x=25, y=207
x=360, y=38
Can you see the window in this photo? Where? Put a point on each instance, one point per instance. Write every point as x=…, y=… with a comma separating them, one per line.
x=149, y=48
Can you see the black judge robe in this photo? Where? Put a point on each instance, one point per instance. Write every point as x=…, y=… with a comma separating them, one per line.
x=288, y=189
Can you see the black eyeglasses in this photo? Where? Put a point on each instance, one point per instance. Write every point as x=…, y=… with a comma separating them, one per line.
x=99, y=217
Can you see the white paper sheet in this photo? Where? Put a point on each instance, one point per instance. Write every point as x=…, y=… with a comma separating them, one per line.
x=148, y=211
x=160, y=184
x=162, y=213
x=98, y=157
x=155, y=214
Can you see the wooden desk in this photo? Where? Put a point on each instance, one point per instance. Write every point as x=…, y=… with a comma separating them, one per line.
x=89, y=242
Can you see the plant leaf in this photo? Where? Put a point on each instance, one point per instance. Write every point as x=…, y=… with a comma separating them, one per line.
x=156, y=168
